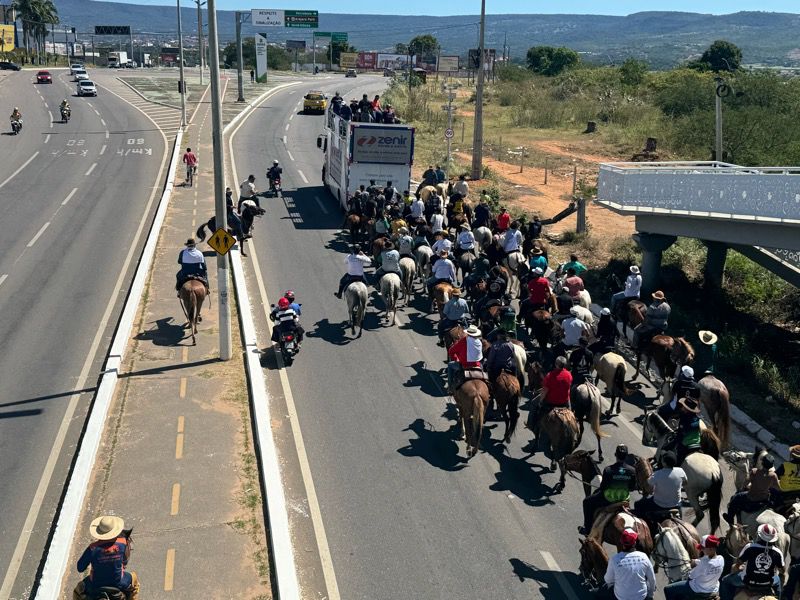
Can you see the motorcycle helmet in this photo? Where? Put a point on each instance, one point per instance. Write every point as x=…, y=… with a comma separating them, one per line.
x=289, y=295
x=275, y=163
x=283, y=303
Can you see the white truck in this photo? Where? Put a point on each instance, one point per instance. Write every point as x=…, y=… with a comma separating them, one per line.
x=356, y=153
x=117, y=60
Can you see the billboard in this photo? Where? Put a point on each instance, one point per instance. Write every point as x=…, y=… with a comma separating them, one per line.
x=348, y=60
x=386, y=145
x=296, y=45
x=267, y=17
x=488, y=58
x=394, y=61
x=112, y=30
x=447, y=64
x=261, y=54
x=427, y=62
x=367, y=60
x=6, y=38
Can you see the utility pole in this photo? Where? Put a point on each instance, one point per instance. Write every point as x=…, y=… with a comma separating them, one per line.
x=505, y=42
x=477, y=134
x=721, y=90
x=239, y=59
x=314, y=51
x=182, y=81
x=225, y=350
x=200, y=56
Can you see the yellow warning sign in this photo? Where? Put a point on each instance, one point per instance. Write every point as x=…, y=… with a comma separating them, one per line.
x=221, y=241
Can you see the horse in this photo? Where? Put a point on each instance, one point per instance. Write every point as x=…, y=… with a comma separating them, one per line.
x=356, y=225
x=465, y=264
x=631, y=313
x=587, y=403
x=506, y=391
x=377, y=246
x=425, y=192
x=192, y=293
x=561, y=429
x=408, y=270
x=451, y=336
x=472, y=398
x=584, y=299
x=741, y=462
x=483, y=236
x=356, y=297
x=424, y=256
x=670, y=554
x=581, y=462
x=541, y=325
x=594, y=563
x=249, y=213
x=610, y=367
x=518, y=268
x=390, y=292
x=440, y=296
x=715, y=398
x=610, y=521
x=668, y=358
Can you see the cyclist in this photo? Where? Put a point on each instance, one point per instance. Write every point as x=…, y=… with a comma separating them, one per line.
x=190, y=160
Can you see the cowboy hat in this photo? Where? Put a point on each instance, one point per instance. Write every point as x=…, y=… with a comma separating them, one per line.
x=465, y=226
x=473, y=331
x=794, y=452
x=689, y=404
x=605, y=311
x=634, y=269
x=106, y=527
x=659, y=295
x=189, y=242
x=574, y=311
x=709, y=338
x=403, y=230
x=767, y=533
x=537, y=251
x=455, y=292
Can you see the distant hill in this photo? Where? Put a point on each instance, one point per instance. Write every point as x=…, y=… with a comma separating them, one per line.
x=662, y=38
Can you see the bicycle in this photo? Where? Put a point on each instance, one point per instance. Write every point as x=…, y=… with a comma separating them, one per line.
x=190, y=172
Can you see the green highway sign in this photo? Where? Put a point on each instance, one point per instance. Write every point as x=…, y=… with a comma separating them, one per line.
x=322, y=34
x=301, y=19
x=338, y=36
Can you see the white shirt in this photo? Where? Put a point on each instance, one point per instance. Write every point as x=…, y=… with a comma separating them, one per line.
x=704, y=578
x=474, y=349
x=512, y=240
x=417, y=208
x=466, y=240
x=437, y=223
x=247, y=189
x=633, y=285
x=444, y=269
x=461, y=187
x=355, y=264
x=667, y=484
x=190, y=256
x=573, y=330
x=440, y=245
x=632, y=576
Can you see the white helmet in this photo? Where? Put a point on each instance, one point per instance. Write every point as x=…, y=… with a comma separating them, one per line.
x=768, y=533
x=274, y=162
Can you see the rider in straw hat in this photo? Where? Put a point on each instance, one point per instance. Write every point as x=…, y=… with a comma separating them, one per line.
x=466, y=353
x=705, y=352
x=655, y=320
x=108, y=557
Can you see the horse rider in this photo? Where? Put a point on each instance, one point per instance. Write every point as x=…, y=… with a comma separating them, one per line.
x=417, y=209
x=480, y=270
x=428, y=177
x=355, y=263
x=421, y=237
x=633, y=287
x=687, y=438
x=684, y=387
x=703, y=579
x=574, y=329
x=500, y=358
x=454, y=312
x=466, y=353
x=381, y=227
x=433, y=206
x=667, y=483
x=564, y=304
x=503, y=220
x=763, y=481
x=581, y=362
x=512, y=239
x=389, y=262
x=575, y=264
x=193, y=266
x=288, y=321
x=788, y=474
x=655, y=320
x=437, y=220
x=535, y=228
x=630, y=574
x=465, y=242
x=247, y=191
x=506, y=323
x=108, y=556
x=274, y=174
x=443, y=271
x=390, y=193
x=538, y=260
x=442, y=243
x=540, y=296
x=705, y=352
x=398, y=222
x=618, y=481
x=233, y=219
x=405, y=243
x=556, y=386
x=607, y=333
x=483, y=213
x=574, y=284
x=759, y=566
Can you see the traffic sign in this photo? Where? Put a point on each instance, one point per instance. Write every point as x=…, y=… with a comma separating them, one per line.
x=301, y=19
x=221, y=241
x=448, y=133
x=338, y=36
x=322, y=34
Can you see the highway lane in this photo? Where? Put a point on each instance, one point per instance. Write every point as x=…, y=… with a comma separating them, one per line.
x=73, y=220
x=403, y=515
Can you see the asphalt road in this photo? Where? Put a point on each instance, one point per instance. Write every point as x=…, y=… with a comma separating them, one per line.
x=73, y=198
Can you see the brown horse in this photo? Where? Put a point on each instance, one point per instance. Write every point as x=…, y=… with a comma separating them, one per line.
x=561, y=428
x=541, y=325
x=610, y=521
x=715, y=397
x=193, y=293
x=633, y=316
x=594, y=563
x=582, y=463
x=357, y=228
x=441, y=294
x=472, y=398
x=451, y=336
x=536, y=375
x=506, y=392
x=668, y=353
x=377, y=246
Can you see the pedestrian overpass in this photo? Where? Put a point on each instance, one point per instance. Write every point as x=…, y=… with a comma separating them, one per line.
x=755, y=210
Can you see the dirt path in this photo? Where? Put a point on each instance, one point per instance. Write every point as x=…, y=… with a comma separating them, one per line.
x=562, y=149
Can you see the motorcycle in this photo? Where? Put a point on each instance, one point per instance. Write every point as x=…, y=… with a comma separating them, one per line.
x=289, y=347
x=16, y=126
x=275, y=186
x=65, y=114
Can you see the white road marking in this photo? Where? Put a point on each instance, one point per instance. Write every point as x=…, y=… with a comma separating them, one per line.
x=36, y=237
x=551, y=563
x=285, y=140
x=46, y=105
x=103, y=150
x=68, y=198
x=287, y=127
x=291, y=116
x=303, y=177
x=103, y=122
x=3, y=277
x=47, y=139
x=25, y=164
x=96, y=112
x=290, y=155
x=51, y=119
x=88, y=103
x=106, y=133
x=321, y=205
x=90, y=170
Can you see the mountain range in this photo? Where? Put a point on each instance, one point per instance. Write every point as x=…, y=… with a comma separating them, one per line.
x=664, y=39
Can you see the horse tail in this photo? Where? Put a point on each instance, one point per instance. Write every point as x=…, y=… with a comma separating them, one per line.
x=722, y=418
x=714, y=495
x=594, y=411
x=201, y=232
x=619, y=378
x=476, y=419
x=710, y=443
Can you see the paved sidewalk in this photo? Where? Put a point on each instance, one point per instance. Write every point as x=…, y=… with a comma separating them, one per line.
x=177, y=462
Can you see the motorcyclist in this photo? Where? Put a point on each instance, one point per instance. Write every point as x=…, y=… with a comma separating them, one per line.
x=274, y=174
x=108, y=556
x=16, y=117
x=288, y=321
x=64, y=106
x=193, y=264
x=289, y=295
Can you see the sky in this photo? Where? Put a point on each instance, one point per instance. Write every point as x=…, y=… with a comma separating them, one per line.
x=460, y=7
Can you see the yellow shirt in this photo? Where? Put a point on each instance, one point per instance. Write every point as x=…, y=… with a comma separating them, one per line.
x=790, y=480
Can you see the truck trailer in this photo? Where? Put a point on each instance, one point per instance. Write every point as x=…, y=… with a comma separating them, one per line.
x=117, y=60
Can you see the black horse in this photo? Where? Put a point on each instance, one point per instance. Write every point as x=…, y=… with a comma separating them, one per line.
x=249, y=213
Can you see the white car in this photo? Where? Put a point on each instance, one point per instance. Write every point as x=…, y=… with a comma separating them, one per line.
x=76, y=67
x=87, y=88
x=81, y=75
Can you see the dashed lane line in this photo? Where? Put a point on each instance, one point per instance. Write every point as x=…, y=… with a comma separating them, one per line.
x=290, y=155
x=322, y=207
x=47, y=139
x=89, y=172
x=176, y=499
x=106, y=133
x=102, y=122
x=103, y=150
x=287, y=127
x=284, y=140
x=169, y=570
x=3, y=277
x=69, y=197
x=51, y=119
x=15, y=173
x=303, y=177
x=35, y=238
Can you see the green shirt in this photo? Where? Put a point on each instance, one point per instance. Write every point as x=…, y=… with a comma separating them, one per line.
x=574, y=264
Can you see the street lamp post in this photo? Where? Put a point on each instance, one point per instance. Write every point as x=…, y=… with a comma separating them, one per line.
x=182, y=81
x=722, y=90
x=477, y=134
x=201, y=55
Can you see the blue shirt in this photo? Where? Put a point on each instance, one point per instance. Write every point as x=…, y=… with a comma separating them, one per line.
x=108, y=561
x=455, y=309
x=538, y=261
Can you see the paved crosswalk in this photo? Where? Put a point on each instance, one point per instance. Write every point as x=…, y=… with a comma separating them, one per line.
x=167, y=118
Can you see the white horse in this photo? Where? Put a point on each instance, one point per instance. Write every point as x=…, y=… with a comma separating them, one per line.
x=423, y=254
x=408, y=269
x=670, y=554
x=390, y=292
x=741, y=463
x=584, y=299
x=356, y=296
x=483, y=236
x=517, y=265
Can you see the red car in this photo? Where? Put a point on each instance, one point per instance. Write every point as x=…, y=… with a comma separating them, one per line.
x=44, y=77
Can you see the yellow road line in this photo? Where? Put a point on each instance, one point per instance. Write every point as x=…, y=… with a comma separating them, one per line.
x=176, y=499
x=182, y=392
x=185, y=357
x=181, y=423
x=169, y=570
x=179, y=447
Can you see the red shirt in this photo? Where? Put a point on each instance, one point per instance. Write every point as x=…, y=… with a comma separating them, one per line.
x=575, y=285
x=558, y=383
x=503, y=221
x=458, y=352
x=539, y=290
x=189, y=158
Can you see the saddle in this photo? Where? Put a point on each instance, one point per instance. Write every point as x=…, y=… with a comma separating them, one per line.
x=603, y=517
x=476, y=374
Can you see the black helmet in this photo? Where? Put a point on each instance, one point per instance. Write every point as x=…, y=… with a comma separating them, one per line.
x=621, y=451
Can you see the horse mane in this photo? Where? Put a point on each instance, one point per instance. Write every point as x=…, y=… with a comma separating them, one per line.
x=672, y=550
x=710, y=444
x=687, y=348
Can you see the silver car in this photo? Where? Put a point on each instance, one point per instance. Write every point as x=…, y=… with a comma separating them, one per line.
x=81, y=75
x=87, y=88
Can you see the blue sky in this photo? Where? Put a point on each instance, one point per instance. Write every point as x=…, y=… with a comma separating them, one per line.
x=460, y=7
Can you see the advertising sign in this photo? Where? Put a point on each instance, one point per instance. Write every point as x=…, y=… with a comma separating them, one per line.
x=447, y=64
x=301, y=19
x=488, y=58
x=348, y=60
x=7, y=13
x=427, y=62
x=386, y=145
x=112, y=30
x=267, y=17
x=6, y=38
x=394, y=61
x=296, y=45
x=367, y=60
x=261, y=54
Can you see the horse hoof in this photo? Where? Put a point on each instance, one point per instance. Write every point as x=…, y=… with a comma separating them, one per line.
x=600, y=458
x=553, y=466
x=199, y=319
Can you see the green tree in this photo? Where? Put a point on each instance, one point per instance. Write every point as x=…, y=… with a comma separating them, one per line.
x=248, y=54
x=632, y=72
x=423, y=45
x=401, y=48
x=36, y=15
x=550, y=61
x=722, y=56
x=338, y=48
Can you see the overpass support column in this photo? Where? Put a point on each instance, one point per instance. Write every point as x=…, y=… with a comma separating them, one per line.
x=653, y=246
x=715, y=263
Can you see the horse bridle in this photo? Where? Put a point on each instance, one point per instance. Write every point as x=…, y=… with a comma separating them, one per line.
x=665, y=562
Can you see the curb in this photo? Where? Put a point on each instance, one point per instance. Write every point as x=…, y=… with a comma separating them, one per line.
x=69, y=513
x=143, y=97
x=738, y=416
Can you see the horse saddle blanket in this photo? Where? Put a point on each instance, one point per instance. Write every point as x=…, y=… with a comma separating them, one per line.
x=476, y=374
